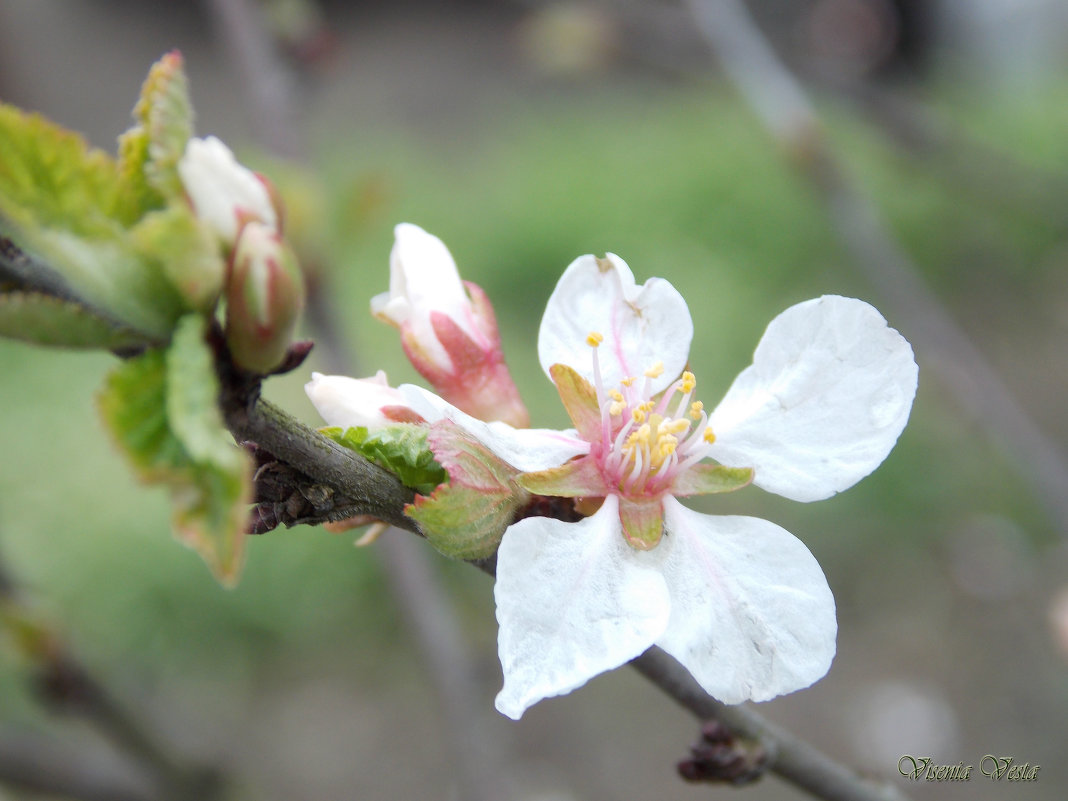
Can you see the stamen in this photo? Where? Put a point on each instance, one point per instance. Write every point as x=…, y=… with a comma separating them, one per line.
x=593, y=339
x=695, y=410
x=655, y=371
x=638, y=415
x=628, y=381
x=709, y=436
x=616, y=408
x=689, y=382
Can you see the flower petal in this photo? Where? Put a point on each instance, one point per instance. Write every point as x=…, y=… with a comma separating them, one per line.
x=752, y=616
x=422, y=279
x=573, y=600
x=526, y=449
x=827, y=395
x=351, y=402
x=222, y=190
x=642, y=325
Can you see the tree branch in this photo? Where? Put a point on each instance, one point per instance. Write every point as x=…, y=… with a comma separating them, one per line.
x=789, y=757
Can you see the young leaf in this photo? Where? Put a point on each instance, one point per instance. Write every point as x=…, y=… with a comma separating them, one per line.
x=149, y=152
x=56, y=175
x=59, y=203
x=47, y=320
x=210, y=487
x=192, y=397
x=400, y=448
x=186, y=253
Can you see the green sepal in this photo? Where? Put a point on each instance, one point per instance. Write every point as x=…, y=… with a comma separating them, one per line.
x=580, y=399
x=160, y=409
x=643, y=522
x=466, y=518
x=579, y=478
x=47, y=320
x=400, y=448
x=707, y=478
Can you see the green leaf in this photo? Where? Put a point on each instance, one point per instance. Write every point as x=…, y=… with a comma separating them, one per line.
x=400, y=448
x=193, y=394
x=54, y=173
x=467, y=517
x=185, y=252
x=48, y=320
x=60, y=203
x=149, y=152
x=157, y=409
x=107, y=275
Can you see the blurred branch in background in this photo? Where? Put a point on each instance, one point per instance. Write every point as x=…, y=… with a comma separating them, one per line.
x=65, y=686
x=783, y=107
x=413, y=580
x=787, y=756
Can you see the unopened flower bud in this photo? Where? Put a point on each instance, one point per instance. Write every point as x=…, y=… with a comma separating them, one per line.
x=224, y=194
x=264, y=297
x=449, y=333
x=353, y=402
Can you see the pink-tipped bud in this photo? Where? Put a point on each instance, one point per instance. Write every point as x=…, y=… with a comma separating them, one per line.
x=264, y=298
x=353, y=402
x=224, y=194
x=449, y=333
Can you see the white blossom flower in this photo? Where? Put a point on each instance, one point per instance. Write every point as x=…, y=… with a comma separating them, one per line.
x=739, y=601
x=448, y=328
x=224, y=193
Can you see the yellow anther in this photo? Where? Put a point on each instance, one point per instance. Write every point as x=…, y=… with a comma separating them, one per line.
x=616, y=395
x=638, y=415
x=647, y=406
x=675, y=426
x=593, y=339
x=628, y=381
x=616, y=408
x=695, y=410
x=710, y=437
x=655, y=371
x=643, y=433
x=689, y=381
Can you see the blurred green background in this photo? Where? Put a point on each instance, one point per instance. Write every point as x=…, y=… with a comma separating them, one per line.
x=304, y=681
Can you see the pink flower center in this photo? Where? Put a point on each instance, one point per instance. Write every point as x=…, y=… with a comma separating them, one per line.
x=647, y=440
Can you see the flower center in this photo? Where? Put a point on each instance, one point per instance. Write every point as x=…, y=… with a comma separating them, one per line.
x=647, y=439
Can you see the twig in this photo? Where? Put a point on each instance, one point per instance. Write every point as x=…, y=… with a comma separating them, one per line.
x=788, y=756
x=40, y=766
x=782, y=105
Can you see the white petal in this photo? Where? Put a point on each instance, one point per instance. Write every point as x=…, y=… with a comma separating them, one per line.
x=219, y=187
x=573, y=600
x=422, y=279
x=827, y=395
x=752, y=616
x=526, y=449
x=641, y=325
x=350, y=402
